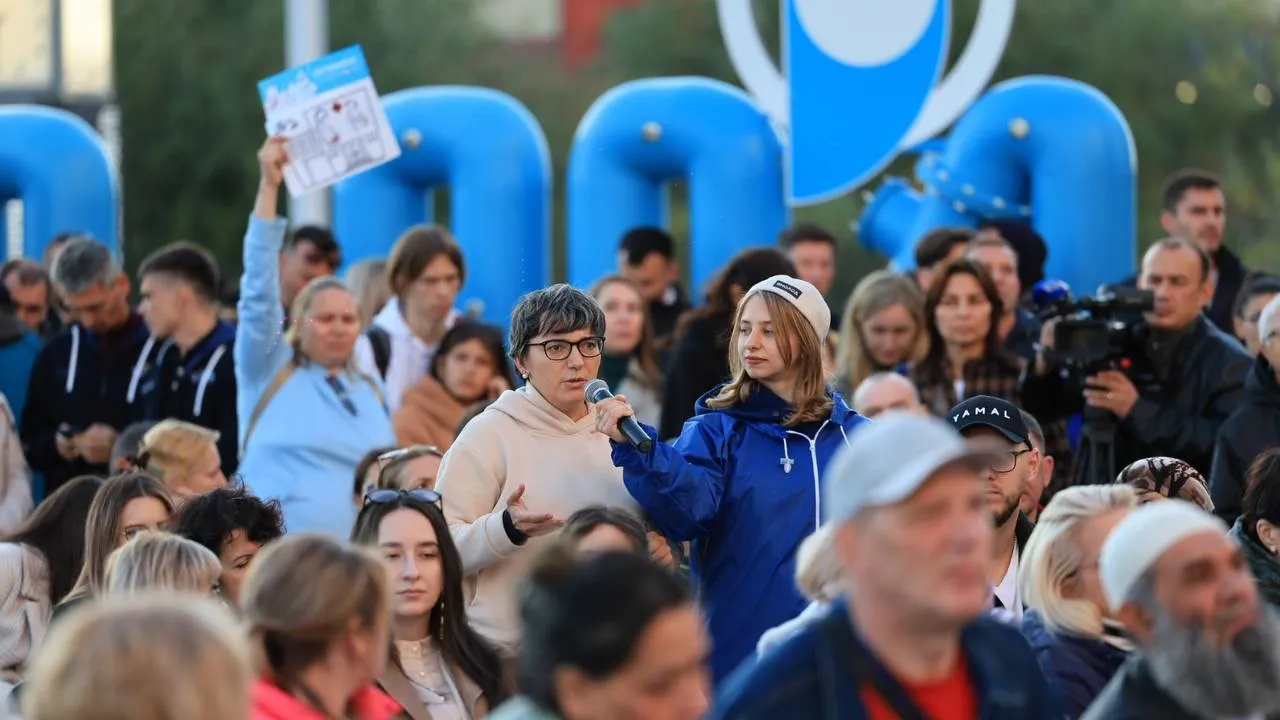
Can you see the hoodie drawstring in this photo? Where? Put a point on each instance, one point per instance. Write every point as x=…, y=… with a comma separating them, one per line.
x=75, y=358
x=137, y=369
x=844, y=434
x=786, y=462
x=205, y=378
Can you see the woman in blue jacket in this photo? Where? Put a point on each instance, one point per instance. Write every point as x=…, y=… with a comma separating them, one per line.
x=307, y=416
x=743, y=479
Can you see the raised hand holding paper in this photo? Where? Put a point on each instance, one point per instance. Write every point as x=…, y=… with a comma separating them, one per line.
x=331, y=113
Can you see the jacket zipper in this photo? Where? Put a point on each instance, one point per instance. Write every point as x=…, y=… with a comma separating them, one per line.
x=813, y=457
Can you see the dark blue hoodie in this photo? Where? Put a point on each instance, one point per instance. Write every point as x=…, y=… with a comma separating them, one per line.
x=199, y=388
x=746, y=491
x=80, y=379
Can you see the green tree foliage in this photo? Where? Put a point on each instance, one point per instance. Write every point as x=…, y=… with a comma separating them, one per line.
x=1135, y=51
x=187, y=75
x=191, y=118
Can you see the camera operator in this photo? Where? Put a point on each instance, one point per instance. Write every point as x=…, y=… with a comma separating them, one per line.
x=1195, y=379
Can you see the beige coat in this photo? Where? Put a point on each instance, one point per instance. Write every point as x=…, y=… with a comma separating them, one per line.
x=394, y=683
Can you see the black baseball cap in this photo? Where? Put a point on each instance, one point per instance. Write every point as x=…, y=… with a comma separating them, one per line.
x=993, y=412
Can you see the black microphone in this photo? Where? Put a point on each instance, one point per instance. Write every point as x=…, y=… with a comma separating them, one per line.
x=597, y=392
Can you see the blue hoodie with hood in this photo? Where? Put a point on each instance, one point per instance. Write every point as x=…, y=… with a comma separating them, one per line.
x=745, y=490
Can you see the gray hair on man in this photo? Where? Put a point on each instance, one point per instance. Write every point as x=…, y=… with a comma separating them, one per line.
x=84, y=263
x=557, y=309
x=1207, y=675
x=885, y=391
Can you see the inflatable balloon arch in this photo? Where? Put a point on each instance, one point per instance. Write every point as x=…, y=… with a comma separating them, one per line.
x=1050, y=150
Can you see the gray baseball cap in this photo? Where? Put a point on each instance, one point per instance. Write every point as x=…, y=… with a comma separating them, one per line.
x=888, y=460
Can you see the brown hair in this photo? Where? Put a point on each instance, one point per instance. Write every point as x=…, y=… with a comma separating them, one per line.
x=798, y=347
x=878, y=291
x=390, y=476
x=414, y=251
x=645, y=354
x=102, y=529
x=992, y=346
x=301, y=595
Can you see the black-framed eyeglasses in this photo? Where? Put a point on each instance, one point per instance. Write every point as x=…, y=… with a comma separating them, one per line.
x=1006, y=462
x=390, y=495
x=559, y=349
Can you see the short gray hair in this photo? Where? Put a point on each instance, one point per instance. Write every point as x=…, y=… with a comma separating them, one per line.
x=83, y=263
x=553, y=310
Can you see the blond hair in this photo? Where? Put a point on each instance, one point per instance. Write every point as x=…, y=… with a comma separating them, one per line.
x=301, y=310
x=171, y=450
x=798, y=347
x=161, y=560
x=302, y=593
x=146, y=657
x=367, y=280
x=1052, y=557
x=817, y=565
x=878, y=291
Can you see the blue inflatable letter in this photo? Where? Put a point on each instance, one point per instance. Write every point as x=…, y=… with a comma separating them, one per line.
x=56, y=164
x=491, y=153
x=1054, y=151
x=642, y=134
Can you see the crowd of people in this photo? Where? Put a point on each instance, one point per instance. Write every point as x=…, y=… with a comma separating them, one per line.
x=346, y=498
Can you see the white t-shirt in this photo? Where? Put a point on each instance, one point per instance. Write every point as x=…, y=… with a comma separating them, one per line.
x=1007, y=591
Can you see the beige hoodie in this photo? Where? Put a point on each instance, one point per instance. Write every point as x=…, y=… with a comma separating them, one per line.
x=564, y=466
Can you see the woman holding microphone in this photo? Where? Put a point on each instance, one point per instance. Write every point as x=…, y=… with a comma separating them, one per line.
x=742, y=482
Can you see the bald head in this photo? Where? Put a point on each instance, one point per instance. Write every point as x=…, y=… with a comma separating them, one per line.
x=886, y=391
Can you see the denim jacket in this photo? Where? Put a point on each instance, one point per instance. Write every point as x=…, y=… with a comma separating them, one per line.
x=810, y=676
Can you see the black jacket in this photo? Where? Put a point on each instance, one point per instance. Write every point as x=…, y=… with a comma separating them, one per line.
x=1180, y=420
x=73, y=384
x=1133, y=695
x=1251, y=429
x=700, y=362
x=664, y=314
x=1263, y=563
x=199, y=388
x=1231, y=273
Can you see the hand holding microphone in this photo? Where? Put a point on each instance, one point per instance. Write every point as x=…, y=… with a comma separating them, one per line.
x=615, y=418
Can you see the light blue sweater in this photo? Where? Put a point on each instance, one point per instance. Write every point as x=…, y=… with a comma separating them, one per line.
x=305, y=446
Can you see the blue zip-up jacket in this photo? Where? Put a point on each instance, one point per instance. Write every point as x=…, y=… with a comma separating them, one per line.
x=746, y=490
x=811, y=676
x=74, y=384
x=1079, y=667
x=306, y=445
x=199, y=388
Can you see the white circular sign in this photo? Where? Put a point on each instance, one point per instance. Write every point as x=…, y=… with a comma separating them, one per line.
x=865, y=33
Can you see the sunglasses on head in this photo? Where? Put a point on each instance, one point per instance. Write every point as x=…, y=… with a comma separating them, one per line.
x=388, y=495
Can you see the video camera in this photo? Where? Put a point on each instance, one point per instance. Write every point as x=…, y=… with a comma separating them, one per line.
x=1103, y=332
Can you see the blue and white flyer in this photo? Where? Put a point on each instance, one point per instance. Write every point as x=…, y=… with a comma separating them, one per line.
x=331, y=113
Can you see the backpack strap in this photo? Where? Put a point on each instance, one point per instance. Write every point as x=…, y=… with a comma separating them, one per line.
x=380, y=341
x=264, y=400
x=377, y=389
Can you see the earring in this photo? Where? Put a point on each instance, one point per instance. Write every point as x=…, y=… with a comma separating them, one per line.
x=524, y=376
x=442, y=620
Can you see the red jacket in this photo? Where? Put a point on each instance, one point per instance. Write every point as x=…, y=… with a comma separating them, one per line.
x=272, y=703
